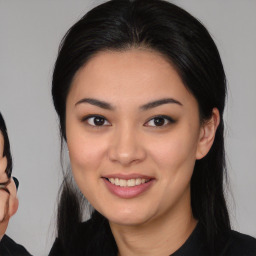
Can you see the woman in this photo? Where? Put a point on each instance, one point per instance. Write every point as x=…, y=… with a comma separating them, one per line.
x=139, y=89
x=9, y=201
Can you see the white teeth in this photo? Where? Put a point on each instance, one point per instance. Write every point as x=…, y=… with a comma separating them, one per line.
x=117, y=182
x=131, y=183
x=138, y=181
x=127, y=183
x=122, y=183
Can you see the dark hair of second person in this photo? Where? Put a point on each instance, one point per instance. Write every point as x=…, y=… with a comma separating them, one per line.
x=7, y=150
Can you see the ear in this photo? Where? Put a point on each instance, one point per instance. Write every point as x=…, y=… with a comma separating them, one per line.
x=207, y=134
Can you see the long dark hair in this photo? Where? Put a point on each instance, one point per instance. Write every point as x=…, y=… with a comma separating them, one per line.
x=185, y=42
x=7, y=151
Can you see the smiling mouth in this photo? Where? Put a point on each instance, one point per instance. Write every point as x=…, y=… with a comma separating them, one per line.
x=128, y=186
x=127, y=183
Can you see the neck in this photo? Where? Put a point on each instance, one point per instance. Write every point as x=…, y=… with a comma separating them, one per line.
x=160, y=236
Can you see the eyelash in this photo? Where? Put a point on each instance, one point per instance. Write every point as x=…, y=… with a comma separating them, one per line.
x=167, y=119
x=85, y=119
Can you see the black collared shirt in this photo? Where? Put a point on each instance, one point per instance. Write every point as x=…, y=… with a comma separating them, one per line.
x=86, y=241
x=233, y=244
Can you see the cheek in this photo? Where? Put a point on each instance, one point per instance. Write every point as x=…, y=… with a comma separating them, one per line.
x=175, y=160
x=86, y=159
x=85, y=153
x=175, y=151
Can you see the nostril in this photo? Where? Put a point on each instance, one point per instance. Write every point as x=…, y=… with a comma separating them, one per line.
x=126, y=158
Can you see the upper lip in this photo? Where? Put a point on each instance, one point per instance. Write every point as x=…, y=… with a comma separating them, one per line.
x=128, y=176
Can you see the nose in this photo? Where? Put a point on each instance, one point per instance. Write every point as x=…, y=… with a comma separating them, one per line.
x=126, y=147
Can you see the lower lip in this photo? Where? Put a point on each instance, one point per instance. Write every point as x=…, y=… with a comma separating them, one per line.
x=128, y=192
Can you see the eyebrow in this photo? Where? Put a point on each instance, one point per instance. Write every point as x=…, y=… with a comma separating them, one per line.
x=95, y=102
x=160, y=102
x=108, y=106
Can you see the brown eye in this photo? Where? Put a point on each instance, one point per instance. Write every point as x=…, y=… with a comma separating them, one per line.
x=96, y=121
x=159, y=121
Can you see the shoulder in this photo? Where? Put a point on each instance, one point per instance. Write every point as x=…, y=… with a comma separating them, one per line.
x=9, y=248
x=240, y=244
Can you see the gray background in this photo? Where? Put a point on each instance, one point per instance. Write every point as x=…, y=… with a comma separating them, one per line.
x=30, y=31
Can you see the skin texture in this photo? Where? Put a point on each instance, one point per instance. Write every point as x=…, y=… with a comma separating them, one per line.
x=158, y=221
x=8, y=201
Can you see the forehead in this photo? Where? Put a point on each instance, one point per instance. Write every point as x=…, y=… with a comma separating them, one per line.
x=135, y=74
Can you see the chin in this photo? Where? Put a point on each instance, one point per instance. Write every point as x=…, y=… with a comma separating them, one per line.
x=127, y=218
x=127, y=222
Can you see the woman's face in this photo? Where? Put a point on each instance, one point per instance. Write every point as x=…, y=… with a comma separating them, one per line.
x=133, y=133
